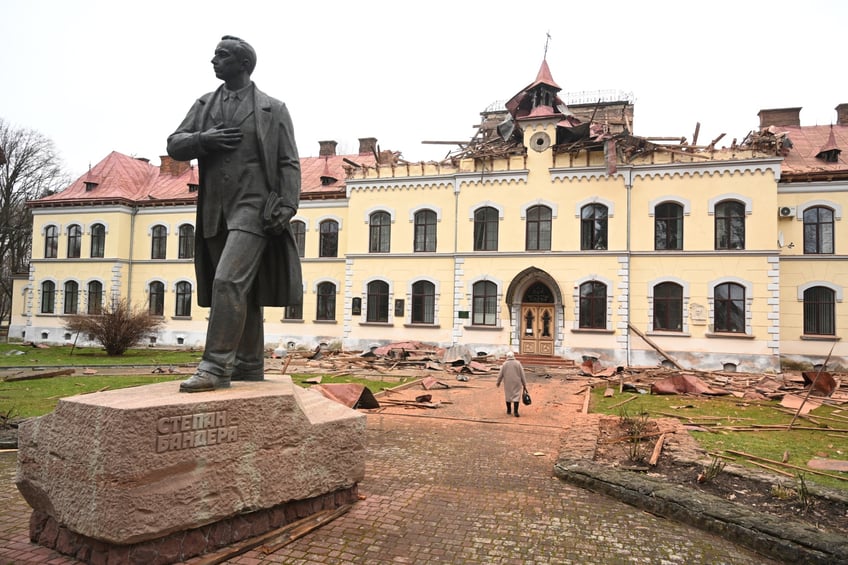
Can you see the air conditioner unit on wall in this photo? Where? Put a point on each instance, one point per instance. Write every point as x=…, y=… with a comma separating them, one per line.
x=786, y=211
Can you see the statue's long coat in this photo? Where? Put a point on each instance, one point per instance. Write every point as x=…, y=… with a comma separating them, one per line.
x=279, y=282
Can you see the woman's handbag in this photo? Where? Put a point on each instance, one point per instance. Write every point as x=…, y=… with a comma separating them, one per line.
x=525, y=398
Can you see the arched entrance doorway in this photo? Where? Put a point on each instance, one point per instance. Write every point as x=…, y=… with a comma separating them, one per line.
x=537, y=321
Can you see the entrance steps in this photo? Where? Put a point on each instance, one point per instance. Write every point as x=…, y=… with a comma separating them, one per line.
x=552, y=361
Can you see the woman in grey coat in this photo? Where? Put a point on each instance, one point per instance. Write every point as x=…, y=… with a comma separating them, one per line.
x=512, y=376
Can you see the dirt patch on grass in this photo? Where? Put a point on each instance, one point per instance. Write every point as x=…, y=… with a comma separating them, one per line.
x=680, y=464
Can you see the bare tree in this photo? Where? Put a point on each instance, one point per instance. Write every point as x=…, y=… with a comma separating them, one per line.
x=30, y=169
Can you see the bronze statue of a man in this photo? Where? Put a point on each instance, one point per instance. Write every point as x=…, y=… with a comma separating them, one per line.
x=245, y=254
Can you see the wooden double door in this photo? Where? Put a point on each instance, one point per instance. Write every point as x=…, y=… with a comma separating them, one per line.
x=537, y=329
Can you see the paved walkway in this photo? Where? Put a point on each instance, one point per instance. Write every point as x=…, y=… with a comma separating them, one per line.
x=461, y=484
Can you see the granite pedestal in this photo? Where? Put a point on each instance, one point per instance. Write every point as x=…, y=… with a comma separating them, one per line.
x=161, y=476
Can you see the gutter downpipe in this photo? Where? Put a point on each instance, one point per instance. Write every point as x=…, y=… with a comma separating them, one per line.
x=629, y=187
x=130, y=263
x=456, y=184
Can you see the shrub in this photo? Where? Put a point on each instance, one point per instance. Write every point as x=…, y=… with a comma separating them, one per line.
x=118, y=328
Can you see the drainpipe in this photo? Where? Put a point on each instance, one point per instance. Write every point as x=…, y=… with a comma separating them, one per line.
x=130, y=262
x=456, y=321
x=629, y=187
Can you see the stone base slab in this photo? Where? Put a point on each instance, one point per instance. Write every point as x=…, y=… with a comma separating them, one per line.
x=137, y=464
x=181, y=546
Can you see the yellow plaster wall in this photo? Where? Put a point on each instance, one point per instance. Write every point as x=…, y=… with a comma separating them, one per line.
x=699, y=224
x=400, y=202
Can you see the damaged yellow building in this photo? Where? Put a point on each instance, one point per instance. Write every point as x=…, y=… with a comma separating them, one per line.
x=555, y=231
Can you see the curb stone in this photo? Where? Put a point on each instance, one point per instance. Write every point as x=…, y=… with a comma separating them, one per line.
x=786, y=540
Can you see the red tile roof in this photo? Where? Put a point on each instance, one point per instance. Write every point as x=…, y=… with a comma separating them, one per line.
x=807, y=142
x=120, y=178
x=331, y=166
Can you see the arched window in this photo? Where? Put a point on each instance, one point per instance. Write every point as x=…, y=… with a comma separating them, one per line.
x=668, y=307
x=329, y=240
x=51, y=242
x=378, y=302
x=425, y=230
x=74, y=241
x=326, y=307
x=158, y=242
x=593, y=227
x=818, y=230
x=186, y=242
x=730, y=225
x=593, y=305
x=298, y=229
x=379, y=232
x=48, y=297
x=486, y=229
x=98, y=241
x=819, y=311
x=729, y=308
x=95, y=298
x=484, y=304
x=538, y=229
x=183, y=296
x=71, y=297
x=423, y=302
x=156, y=298
x=668, y=226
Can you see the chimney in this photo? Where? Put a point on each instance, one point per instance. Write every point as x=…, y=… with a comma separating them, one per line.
x=367, y=145
x=328, y=148
x=780, y=117
x=842, y=114
x=172, y=167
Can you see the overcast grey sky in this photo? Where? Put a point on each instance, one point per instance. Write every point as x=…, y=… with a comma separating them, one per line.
x=97, y=76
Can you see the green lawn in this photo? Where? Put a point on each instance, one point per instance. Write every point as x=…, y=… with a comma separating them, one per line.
x=19, y=355
x=714, y=413
x=24, y=399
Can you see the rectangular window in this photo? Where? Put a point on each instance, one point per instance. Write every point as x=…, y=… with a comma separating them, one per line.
x=484, y=304
x=98, y=241
x=294, y=312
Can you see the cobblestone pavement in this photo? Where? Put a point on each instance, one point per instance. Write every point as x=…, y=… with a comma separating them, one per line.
x=464, y=484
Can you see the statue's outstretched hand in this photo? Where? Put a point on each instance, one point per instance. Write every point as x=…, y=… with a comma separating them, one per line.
x=220, y=138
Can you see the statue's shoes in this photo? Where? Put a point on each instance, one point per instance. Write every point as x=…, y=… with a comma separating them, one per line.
x=204, y=381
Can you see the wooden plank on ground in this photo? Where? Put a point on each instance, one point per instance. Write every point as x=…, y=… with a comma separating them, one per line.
x=39, y=375
x=655, y=456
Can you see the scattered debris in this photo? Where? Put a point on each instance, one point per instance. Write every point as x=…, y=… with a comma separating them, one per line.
x=823, y=464
x=684, y=384
x=270, y=541
x=39, y=375
x=352, y=395
x=753, y=458
x=820, y=382
x=428, y=383
x=655, y=456
x=795, y=402
x=411, y=403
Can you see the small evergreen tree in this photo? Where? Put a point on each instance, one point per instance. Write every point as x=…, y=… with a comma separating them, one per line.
x=118, y=328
